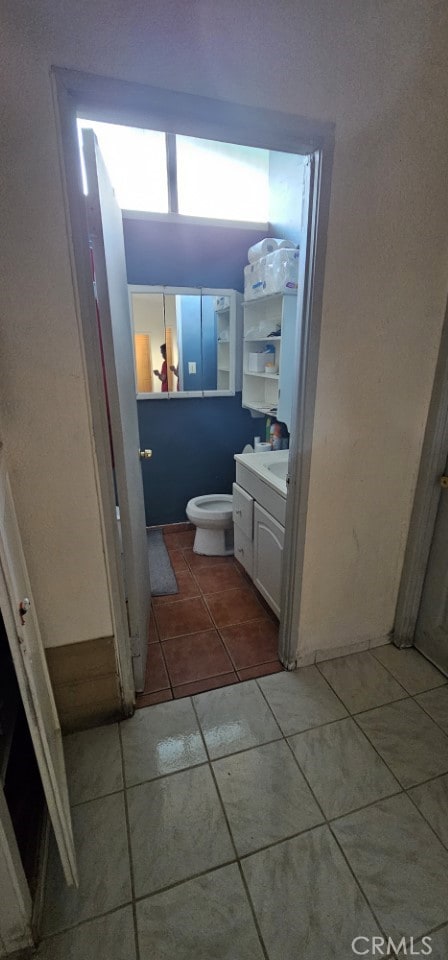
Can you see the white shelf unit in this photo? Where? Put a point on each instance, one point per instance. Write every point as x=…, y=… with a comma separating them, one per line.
x=229, y=327
x=268, y=393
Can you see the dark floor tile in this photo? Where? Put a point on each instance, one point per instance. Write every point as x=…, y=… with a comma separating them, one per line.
x=196, y=657
x=182, y=541
x=182, y=617
x=251, y=643
x=197, y=561
x=148, y=699
x=234, y=606
x=200, y=686
x=156, y=675
x=187, y=588
x=178, y=561
x=219, y=577
x=261, y=670
x=153, y=633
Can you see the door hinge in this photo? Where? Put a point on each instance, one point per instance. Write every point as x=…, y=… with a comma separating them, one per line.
x=135, y=647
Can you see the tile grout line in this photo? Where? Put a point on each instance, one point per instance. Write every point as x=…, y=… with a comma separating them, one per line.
x=43, y=938
x=128, y=836
x=224, y=812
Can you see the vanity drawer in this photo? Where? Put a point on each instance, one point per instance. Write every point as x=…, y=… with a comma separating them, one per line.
x=243, y=549
x=243, y=510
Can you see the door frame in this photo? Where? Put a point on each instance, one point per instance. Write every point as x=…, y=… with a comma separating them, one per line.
x=426, y=502
x=118, y=101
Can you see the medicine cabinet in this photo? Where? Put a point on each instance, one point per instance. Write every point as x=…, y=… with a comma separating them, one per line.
x=186, y=341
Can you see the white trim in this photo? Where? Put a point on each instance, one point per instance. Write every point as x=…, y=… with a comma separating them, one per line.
x=187, y=220
x=87, y=95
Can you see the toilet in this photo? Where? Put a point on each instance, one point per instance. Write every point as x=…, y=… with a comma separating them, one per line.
x=212, y=517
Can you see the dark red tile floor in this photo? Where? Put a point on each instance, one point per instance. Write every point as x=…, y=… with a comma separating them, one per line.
x=217, y=630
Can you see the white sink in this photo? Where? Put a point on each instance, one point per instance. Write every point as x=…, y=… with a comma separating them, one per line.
x=280, y=468
x=270, y=467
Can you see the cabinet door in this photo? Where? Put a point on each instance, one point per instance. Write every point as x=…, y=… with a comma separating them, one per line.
x=289, y=359
x=243, y=510
x=268, y=553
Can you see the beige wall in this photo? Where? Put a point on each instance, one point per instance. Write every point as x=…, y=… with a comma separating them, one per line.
x=378, y=69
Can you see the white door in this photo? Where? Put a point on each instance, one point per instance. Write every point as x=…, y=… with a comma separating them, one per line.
x=106, y=236
x=431, y=635
x=33, y=678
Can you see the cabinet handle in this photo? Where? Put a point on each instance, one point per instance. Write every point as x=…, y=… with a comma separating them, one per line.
x=238, y=513
x=241, y=550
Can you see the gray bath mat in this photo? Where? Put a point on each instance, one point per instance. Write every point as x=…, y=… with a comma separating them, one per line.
x=161, y=573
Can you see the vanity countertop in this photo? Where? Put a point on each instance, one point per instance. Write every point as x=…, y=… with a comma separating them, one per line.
x=270, y=467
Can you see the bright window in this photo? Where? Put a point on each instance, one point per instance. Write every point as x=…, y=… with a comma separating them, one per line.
x=222, y=180
x=136, y=162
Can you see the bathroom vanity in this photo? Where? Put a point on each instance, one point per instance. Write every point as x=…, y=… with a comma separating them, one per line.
x=259, y=508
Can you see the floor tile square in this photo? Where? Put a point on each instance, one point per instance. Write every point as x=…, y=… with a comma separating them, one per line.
x=265, y=796
x=177, y=829
x=160, y=740
x=361, y=681
x=432, y=801
x=156, y=677
x=261, y=670
x=177, y=559
x=187, y=587
x=100, y=836
x=204, y=919
x=235, y=718
x=251, y=643
x=93, y=763
x=182, y=617
x=408, y=740
x=200, y=686
x=234, y=606
x=306, y=900
x=342, y=768
x=301, y=699
x=400, y=864
x=216, y=578
x=196, y=657
x=438, y=943
x=197, y=561
x=435, y=702
x=106, y=938
x=153, y=633
x=410, y=669
x=149, y=699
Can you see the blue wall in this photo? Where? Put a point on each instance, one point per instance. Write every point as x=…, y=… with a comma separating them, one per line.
x=193, y=441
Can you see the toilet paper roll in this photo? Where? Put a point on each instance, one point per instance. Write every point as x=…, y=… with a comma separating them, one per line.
x=262, y=248
x=286, y=245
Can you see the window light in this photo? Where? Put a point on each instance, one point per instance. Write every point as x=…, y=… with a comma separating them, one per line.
x=136, y=162
x=222, y=180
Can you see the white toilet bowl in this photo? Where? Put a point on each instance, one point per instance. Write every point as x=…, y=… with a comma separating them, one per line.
x=212, y=517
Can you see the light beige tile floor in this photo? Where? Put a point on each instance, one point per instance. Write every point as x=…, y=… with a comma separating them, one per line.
x=276, y=819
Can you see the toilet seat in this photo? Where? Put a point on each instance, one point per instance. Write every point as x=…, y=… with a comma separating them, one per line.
x=212, y=516
x=214, y=509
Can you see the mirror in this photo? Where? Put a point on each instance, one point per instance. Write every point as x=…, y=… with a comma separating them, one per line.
x=182, y=341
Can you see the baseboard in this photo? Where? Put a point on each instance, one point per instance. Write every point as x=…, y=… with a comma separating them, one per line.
x=85, y=683
x=331, y=653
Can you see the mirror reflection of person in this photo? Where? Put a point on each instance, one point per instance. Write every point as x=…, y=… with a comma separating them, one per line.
x=162, y=374
x=175, y=370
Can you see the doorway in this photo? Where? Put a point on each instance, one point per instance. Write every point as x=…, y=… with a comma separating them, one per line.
x=176, y=114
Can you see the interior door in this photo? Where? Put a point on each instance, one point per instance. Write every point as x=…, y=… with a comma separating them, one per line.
x=431, y=636
x=33, y=678
x=106, y=236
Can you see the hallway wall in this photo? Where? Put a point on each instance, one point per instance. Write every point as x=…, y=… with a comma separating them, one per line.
x=377, y=70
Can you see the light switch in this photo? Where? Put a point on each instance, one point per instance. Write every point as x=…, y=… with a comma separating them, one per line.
x=191, y=366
